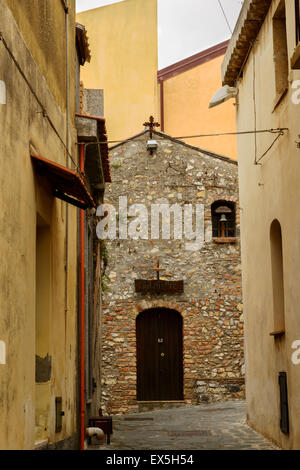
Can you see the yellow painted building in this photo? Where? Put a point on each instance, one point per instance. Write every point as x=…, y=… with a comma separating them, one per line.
x=38, y=237
x=123, y=40
x=263, y=64
x=185, y=90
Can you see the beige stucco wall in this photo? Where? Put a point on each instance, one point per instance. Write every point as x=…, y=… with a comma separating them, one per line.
x=269, y=191
x=186, y=99
x=22, y=196
x=123, y=41
x=42, y=25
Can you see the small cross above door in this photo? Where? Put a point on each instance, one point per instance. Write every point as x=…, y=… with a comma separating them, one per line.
x=158, y=269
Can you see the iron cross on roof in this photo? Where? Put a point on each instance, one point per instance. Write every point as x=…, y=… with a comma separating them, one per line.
x=157, y=269
x=151, y=124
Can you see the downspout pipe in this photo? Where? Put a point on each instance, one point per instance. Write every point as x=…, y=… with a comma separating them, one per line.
x=162, y=105
x=65, y=4
x=82, y=317
x=67, y=73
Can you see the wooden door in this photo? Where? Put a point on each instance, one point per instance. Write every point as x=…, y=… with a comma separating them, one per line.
x=159, y=355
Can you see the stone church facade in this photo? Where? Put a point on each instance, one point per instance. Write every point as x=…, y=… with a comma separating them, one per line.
x=178, y=339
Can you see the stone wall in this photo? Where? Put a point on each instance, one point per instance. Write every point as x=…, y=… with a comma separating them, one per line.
x=210, y=305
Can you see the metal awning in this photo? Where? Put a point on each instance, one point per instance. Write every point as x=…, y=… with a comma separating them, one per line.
x=66, y=184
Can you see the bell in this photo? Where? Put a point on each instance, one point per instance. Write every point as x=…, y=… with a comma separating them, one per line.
x=223, y=218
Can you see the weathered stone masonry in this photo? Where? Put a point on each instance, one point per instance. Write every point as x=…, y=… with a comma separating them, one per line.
x=211, y=304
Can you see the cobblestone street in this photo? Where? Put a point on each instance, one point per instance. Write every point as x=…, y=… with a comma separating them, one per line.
x=217, y=426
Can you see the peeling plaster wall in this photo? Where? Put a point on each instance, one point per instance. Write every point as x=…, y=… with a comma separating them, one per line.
x=42, y=26
x=22, y=196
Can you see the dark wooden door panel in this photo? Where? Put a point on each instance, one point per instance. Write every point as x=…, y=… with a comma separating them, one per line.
x=147, y=357
x=159, y=355
x=171, y=362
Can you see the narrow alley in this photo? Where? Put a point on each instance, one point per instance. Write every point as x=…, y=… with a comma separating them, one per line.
x=215, y=426
x=149, y=228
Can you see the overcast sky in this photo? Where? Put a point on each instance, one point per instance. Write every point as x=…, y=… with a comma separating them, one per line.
x=185, y=27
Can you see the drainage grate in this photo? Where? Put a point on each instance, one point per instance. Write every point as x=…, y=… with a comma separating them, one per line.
x=199, y=433
x=138, y=418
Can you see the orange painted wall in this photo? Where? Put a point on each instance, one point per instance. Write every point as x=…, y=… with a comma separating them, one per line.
x=186, y=100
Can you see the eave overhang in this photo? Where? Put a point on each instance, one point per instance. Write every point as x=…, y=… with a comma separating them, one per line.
x=251, y=18
x=66, y=184
x=82, y=44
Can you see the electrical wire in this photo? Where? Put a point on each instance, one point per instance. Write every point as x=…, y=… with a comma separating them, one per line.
x=254, y=110
x=279, y=131
x=272, y=131
x=64, y=5
x=244, y=63
x=220, y=134
x=269, y=148
x=225, y=16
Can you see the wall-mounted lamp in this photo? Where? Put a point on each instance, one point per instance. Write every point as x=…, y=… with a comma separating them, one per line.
x=222, y=95
x=152, y=146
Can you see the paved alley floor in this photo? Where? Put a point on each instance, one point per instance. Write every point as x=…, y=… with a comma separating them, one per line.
x=217, y=426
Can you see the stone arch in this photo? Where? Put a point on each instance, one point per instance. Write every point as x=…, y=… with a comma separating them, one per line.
x=158, y=303
x=213, y=199
x=223, y=208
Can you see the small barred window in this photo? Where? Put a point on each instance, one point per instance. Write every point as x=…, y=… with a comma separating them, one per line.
x=223, y=219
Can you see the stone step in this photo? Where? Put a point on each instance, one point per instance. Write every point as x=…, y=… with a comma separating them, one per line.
x=144, y=406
